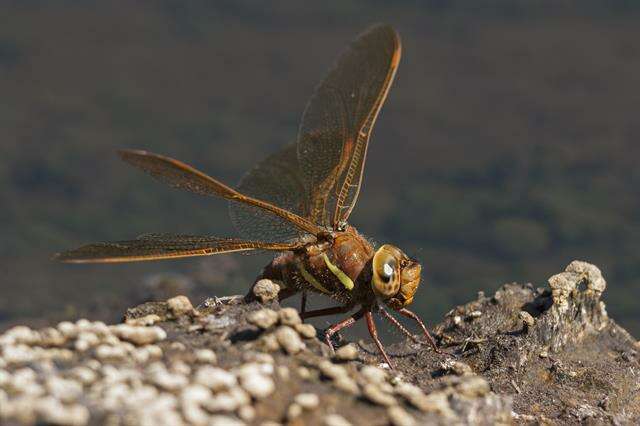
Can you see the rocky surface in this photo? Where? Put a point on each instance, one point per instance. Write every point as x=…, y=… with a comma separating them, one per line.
x=524, y=355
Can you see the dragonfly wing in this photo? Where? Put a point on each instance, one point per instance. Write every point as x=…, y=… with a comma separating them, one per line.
x=276, y=180
x=163, y=246
x=337, y=123
x=180, y=175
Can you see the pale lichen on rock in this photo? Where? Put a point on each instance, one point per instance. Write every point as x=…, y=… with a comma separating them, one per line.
x=576, y=310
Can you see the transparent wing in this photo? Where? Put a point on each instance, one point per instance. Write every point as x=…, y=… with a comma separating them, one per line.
x=180, y=175
x=276, y=180
x=337, y=123
x=163, y=246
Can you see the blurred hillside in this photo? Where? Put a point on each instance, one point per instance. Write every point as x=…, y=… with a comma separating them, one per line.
x=508, y=145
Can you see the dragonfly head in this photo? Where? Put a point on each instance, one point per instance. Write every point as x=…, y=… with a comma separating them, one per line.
x=395, y=277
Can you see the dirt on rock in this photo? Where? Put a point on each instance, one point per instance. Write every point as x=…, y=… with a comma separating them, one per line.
x=522, y=356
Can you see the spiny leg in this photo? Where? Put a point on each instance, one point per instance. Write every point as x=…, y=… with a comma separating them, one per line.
x=409, y=314
x=329, y=332
x=397, y=324
x=374, y=335
x=326, y=311
x=303, y=304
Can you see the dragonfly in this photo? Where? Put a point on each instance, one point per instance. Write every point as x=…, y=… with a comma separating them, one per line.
x=297, y=203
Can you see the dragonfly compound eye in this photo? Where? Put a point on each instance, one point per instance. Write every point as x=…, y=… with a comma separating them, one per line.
x=386, y=271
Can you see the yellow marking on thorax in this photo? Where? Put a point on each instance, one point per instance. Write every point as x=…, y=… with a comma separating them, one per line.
x=310, y=278
x=344, y=278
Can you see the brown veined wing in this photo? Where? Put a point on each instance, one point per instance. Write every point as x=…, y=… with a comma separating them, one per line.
x=163, y=246
x=276, y=180
x=272, y=219
x=337, y=123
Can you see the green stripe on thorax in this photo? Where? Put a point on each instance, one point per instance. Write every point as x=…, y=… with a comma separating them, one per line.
x=344, y=278
x=310, y=278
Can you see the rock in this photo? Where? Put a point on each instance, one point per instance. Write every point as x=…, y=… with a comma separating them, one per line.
x=289, y=340
x=561, y=287
x=527, y=319
x=293, y=411
x=456, y=367
x=308, y=401
x=269, y=342
x=85, y=341
x=255, y=380
x=139, y=373
x=50, y=410
x=179, y=366
x=84, y=375
x=5, y=378
x=336, y=420
x=215, y=378
x=266, y=290
x=283, y=372
x=68, y=329
x=400, y=417
x=222, y=402
x=247, y=413
x=473, y=386
x=192, y=399
x=224, y=421
x=139, y=335
x=347, y=352
x=52, y=337
x=374, y=394
x=64, y=390
x=303, y=372
x=591, y=274
x=21, y=334
x=259, y=357
x=347, y=384
x=435, y=402
x=573, y=314
x=206, y=356
x=255, y=368
x=263, y=318
x=111, y=353
x=180, y=305
x=373, y=374
x=144, y=321
x=258, y=386
x=289, y=316
x=307, y=331
x=331, y=370
x=166, y=380
x=177, y=346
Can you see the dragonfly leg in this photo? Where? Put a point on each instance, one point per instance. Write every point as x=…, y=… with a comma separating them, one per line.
x=326, y=311
x=409, y=314
x=395, y=322
x=374, y=335
x=303, y=304
x=329, y=332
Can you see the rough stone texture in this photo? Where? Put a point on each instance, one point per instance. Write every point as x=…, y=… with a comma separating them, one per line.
x=523, y=356
x=266, y=290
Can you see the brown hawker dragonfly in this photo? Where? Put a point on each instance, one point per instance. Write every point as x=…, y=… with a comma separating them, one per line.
x=297, y=202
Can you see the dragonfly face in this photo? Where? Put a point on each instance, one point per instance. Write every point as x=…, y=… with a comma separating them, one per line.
x=395, y=276
x=299, y=199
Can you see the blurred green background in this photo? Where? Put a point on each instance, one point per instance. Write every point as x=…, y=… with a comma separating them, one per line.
x=507, y=148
